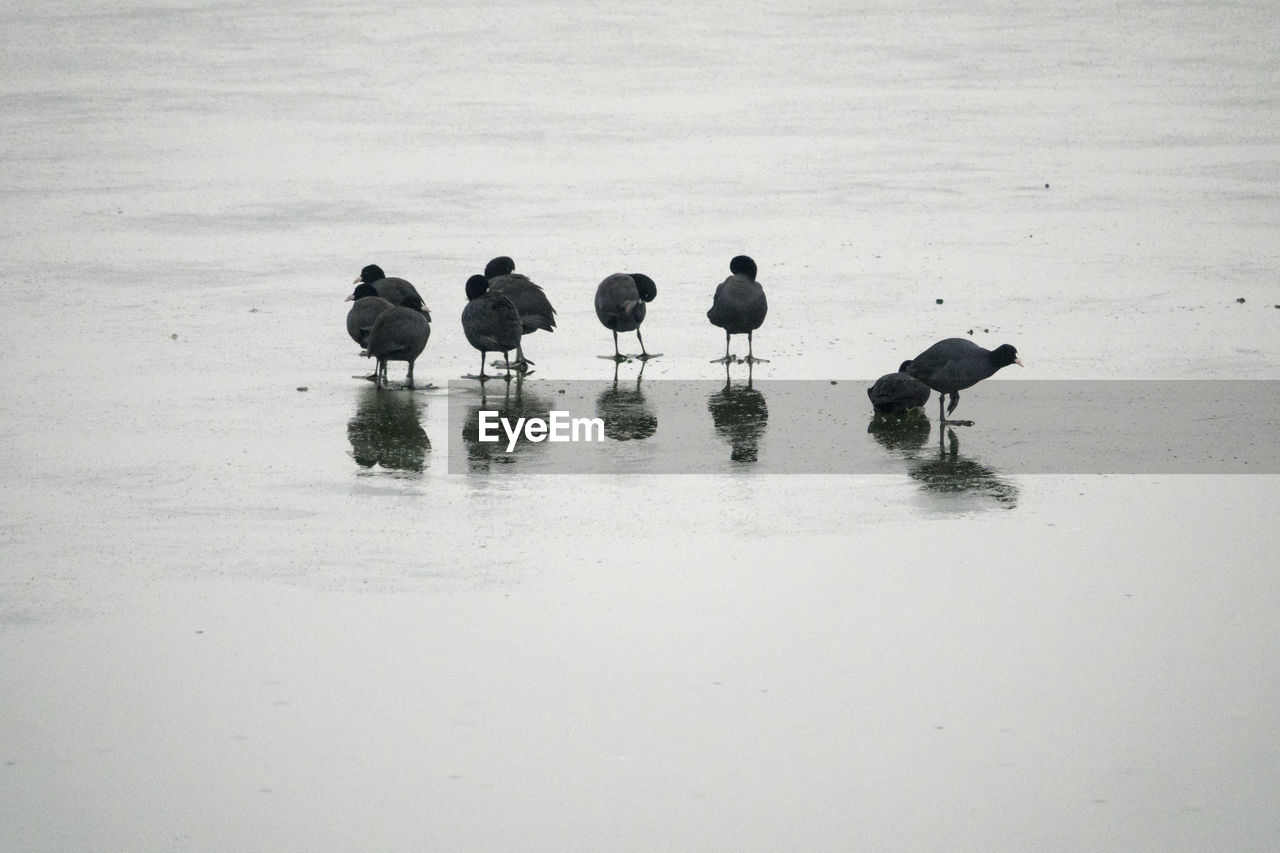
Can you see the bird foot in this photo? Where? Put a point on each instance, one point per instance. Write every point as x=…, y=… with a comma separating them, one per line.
x=728, y=359
x=751, y=359
x=645, y=356
x=618, y=358
x=956, y=423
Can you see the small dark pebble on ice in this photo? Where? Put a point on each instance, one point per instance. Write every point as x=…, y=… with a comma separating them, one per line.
x=971, y=331
x=937, y=301
x=1240, y=300
x=1046, y=186
x=833, y=382
x=302, y=387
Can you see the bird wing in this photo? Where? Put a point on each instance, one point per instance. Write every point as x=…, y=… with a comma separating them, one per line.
x=529, y=298
x=491, y=322
x=616, y=297
x=739, y=304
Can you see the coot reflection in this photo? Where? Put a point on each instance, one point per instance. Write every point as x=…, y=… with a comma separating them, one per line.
x=906, y=432
x=626, y=415
x=949, y=473
x=740, y=415
x=514, y=402
x=386, y=432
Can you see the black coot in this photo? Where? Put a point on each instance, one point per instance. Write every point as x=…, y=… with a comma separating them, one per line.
x=896, y=393
x=365, y=308
x=490, y=321
x=399, y=334
x=529, y=298
x=739, y=305
x=951, y=365
x=620, y=305
x=397, y=291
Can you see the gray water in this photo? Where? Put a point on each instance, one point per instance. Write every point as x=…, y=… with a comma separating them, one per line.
x=239, y=615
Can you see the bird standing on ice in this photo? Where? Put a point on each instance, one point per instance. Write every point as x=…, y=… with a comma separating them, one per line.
x=739, y=306
x=529, y=298
x=620, y=305
x=399, y=334
x=951, y=365
x=490, y=321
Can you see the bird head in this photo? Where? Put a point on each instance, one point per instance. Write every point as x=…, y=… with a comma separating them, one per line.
x=743, y=266
x=370, y=274
x=1005, y=355
x=477, y=285
x=501, y=265
x=647, y=289
x=362, y=290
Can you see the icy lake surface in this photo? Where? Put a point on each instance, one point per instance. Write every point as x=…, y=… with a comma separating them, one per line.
x=245, y=604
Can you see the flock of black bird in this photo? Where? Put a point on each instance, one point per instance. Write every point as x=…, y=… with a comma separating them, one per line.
x=389, y=320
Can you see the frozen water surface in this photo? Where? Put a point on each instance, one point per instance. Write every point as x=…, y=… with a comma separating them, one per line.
x=238, y=615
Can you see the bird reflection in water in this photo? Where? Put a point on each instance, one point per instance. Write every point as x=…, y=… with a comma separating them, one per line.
x=513, y=403
x=740, y=415
x=623, y=409
x=949, y=473
x=904, y=433
x=387, y=432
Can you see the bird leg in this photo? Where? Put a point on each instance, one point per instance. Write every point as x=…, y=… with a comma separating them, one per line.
x=618, y=357
x=645, y=355
x=521, y=362
x=751, y=359
x=728, y=359
x=410, y=382
x=507, y=362
x=955, y=401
